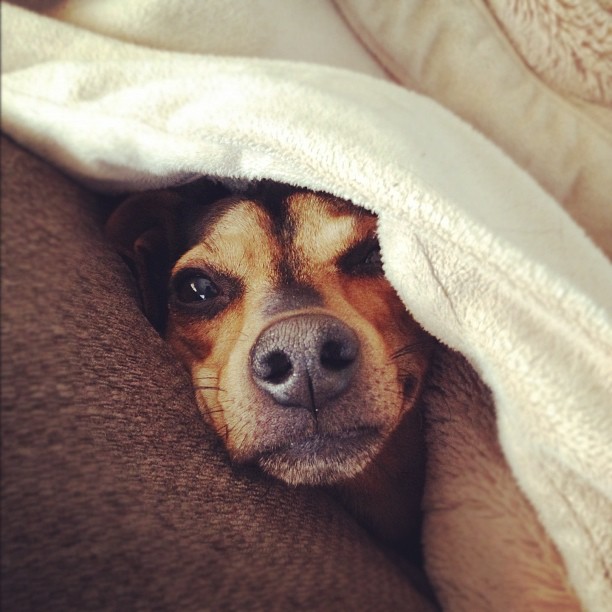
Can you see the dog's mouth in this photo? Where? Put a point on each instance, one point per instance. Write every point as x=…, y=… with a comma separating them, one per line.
x=322, y=458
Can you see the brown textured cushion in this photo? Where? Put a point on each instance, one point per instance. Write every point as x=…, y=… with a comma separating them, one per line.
x=114, y=494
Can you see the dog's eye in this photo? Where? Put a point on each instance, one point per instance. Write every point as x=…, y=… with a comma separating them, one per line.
x=373, y=258
x=196, y=288
x=363, y=259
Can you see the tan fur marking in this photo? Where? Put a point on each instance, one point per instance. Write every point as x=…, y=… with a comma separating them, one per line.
x=323, y=230
x=239, y=244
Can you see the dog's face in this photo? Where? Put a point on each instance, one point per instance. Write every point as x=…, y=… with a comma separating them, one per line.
x=303, y=358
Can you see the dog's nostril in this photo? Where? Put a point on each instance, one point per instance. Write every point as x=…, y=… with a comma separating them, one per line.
x=337, y=356
x=277, y=368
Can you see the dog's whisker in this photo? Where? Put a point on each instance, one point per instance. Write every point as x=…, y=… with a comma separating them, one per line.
x=239, y=433
x=408, y=349
x=216, y=408
x=219, y=411
x=210, y=388
x=236, y=432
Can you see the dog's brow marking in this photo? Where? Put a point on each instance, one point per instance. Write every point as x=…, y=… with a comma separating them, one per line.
x=320, y=238
x=240, y=244
x=198, y=223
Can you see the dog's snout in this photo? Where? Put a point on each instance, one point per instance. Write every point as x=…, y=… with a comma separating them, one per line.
x=305, y=360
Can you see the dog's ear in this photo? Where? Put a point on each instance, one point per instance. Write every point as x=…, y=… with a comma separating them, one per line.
x=144, y=229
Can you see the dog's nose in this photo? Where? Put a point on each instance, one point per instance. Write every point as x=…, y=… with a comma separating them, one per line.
x=305, y=360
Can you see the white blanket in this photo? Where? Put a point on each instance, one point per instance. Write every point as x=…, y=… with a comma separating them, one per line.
x=484, y=258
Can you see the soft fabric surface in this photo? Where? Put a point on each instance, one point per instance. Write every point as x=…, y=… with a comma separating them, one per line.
x=484, y=258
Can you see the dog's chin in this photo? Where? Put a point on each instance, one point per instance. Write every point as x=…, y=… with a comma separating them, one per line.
x=322, y=459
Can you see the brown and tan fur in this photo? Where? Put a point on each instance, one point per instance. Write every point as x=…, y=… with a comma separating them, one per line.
x=283, y=257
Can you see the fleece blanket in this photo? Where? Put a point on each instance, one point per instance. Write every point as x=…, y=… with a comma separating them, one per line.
x=477, y=247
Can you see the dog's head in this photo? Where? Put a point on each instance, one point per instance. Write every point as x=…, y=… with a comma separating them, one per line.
x=303, y=358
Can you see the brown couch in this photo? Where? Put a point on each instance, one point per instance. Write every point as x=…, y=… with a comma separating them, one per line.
x=115, y=496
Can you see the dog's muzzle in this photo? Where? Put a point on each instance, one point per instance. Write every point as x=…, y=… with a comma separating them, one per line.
x=305, y=360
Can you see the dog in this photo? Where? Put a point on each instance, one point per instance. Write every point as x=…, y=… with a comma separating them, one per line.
x=304, y=360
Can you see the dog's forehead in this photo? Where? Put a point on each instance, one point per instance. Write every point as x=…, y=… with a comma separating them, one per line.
x=282, y=239
x=232, y=236
x=298, y=218
x=235, y=219
x=198, y=222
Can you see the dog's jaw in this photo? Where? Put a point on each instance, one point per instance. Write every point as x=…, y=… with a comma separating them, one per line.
x=322, y=459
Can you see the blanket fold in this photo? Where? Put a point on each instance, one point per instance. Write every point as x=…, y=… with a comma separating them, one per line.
x=533, y=76
x=484, y=258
